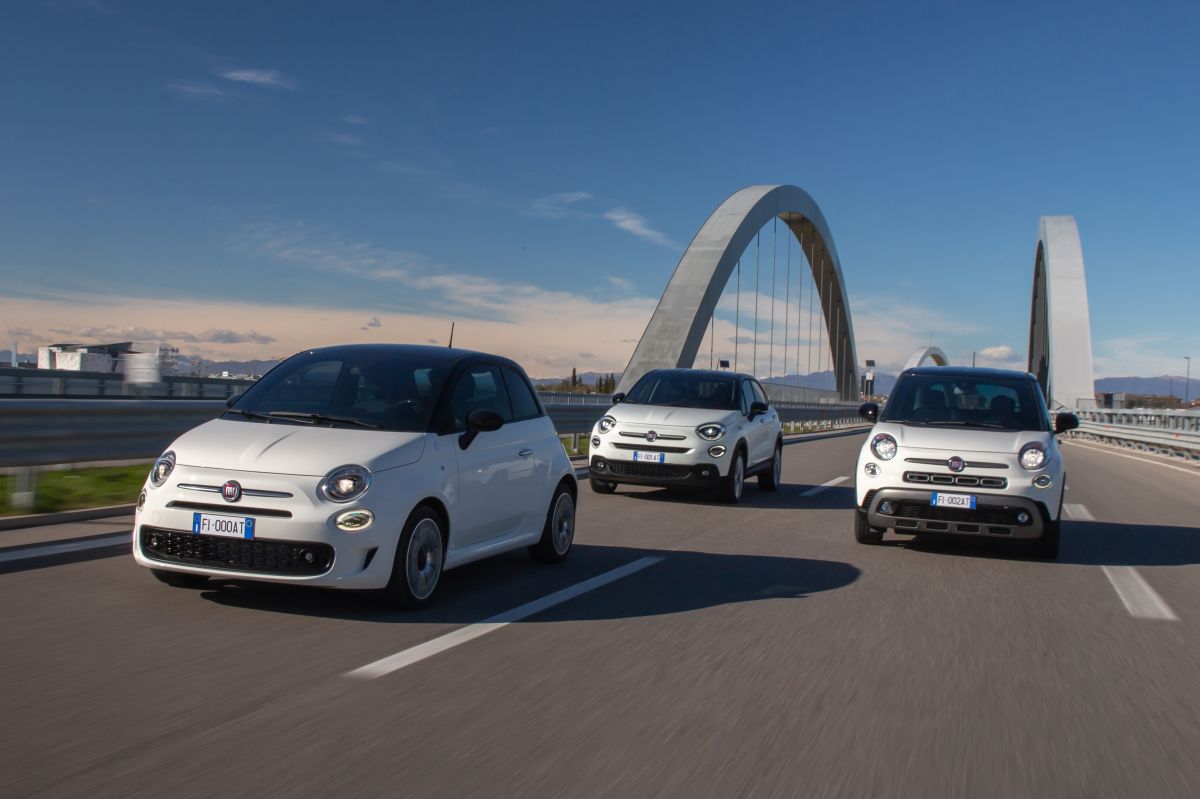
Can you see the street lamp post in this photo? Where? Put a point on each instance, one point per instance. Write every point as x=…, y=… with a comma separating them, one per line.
x=1187, y=381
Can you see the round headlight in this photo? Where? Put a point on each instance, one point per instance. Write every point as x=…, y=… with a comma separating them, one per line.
x=884, y=447
x=162, y=468
x=711, y=431
x=606, y=424
x=1033, y=456
x=346, y=483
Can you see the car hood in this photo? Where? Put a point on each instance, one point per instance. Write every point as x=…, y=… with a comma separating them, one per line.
x=293, y=449
x=634, y=413
x=961, y=439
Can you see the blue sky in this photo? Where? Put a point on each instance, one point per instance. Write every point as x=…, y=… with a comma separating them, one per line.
x=244, y=180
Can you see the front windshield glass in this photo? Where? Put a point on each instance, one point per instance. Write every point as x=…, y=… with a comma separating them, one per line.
x=685, y=390
x=989, y=402
x=367, y=388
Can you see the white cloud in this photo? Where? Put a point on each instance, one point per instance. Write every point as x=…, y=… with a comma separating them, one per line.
x=354, y=119
x=199, y=91
x=620, y=284
x=556, y=206
x=635, y=223
x=266, y=78
x=344, y=139
x=1001, y=352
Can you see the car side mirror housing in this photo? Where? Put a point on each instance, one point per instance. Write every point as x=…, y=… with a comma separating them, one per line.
x=758, y=409
x=618, y=397
x=230, y=400
x=479, y=421
x=1065, y=421
x=869, y=411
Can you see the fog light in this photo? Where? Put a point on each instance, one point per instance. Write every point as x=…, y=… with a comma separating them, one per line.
x=706, y=472
x=352, y=521
x=1043, y=481
x=600, y=465
x=716, y=451
x=887, y=507
x=1022, y=517
x=308, y=556
x=872, y=469
x=595, y=441
x=141, y=499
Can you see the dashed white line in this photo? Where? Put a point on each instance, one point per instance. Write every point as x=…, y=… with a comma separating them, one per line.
x=407, y=657
x=1078, y=512
x=818, y=489
x=1140, y=599
x=59, y=549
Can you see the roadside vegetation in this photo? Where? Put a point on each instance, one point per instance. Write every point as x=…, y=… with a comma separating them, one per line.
x=80, y=488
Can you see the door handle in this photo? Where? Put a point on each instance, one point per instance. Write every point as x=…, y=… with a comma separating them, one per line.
x=525, y=453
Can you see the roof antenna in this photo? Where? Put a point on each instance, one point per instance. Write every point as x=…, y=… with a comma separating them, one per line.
x=451, y=344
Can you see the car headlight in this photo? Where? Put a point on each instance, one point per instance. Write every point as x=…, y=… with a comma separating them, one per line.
x=606, y=424
x=346, y=483
x=884, y=447
x=1033, y=456
x=162, y=468
x=711, y=431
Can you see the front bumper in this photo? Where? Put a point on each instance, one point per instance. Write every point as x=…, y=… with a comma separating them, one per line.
x=684, y=475
x=995, y=515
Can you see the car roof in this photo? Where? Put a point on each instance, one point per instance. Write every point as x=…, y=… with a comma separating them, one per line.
x=968, y=371
x=703, y=372
x=437, y=356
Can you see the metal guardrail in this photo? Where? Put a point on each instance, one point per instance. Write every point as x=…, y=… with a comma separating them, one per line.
x=39, y=432
x=1175, y=433
x=65, y=383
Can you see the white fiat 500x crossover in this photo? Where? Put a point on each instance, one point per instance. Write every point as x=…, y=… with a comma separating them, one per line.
x=363, y=467
x=689, y=428
x=963, y=451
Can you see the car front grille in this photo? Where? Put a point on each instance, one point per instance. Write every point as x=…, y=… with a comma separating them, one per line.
x=923, y=510
x=969, y=480
x=867, y=499
x=236, y=554
x=650, y=448
x=229, y=509
x=655, y=471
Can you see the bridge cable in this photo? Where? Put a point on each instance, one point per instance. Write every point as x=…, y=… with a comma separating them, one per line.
x=799, y=301
x=812, y=268
x=737, y=315
x=774, y=258
x=757, y=261
x=787, y=304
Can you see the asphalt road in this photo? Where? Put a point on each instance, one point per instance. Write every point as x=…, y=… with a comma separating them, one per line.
x=759, y=652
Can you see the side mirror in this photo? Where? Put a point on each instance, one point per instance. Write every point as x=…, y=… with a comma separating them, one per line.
x=618, y=397
x=758, y=409
x=230, y=400
x=1065, y=421
x=869, y=411
x=479, y=421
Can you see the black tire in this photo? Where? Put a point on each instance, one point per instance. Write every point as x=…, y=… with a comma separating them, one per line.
x=1046, y=547
x=417, y=566
x=770, y=479
x=602, y=486
x=734, y=485
x=865, y=533
x=559, y=531
x=180, y=579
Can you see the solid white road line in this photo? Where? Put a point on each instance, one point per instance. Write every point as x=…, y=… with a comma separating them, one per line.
x=1078, y=512
x=1119, y=454
x=428, y=649
x=1140, y=599
x=58, y=549
x=812, y=492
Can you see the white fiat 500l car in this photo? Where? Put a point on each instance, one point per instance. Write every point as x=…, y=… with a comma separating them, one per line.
x=365, y=467
x=963, y=451
x=689, y=428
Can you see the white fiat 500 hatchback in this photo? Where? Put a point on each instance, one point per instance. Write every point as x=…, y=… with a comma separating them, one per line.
x=964, y=451
x=364, y=467
x=689, y=428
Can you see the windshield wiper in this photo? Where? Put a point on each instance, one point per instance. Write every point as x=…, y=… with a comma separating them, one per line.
x=316, y=418
x=962, y=423
x=249, y=414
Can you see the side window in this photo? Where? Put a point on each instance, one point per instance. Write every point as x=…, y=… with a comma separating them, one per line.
x=747, y=397
x=480, y=387
x=759, y=394
x=524, y=403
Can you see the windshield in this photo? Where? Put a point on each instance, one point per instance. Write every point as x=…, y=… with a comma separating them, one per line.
x=990, y=402
x=368, y=389
x=685, y=390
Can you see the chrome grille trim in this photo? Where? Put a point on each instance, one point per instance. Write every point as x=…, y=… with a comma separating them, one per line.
x=970, y=480
x=660, y=436
x=246, y=492
x=966, y=464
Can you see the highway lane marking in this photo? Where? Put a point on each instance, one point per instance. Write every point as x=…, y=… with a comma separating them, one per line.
x=46, y=550
x=1119, y=454
x=812, y=492
x=1078, y=512
x=1140, y=599
x=407, y=657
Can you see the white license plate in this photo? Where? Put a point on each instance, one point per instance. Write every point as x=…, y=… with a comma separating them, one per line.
x=964, y=501
x=650, y=457
x=225, y=526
